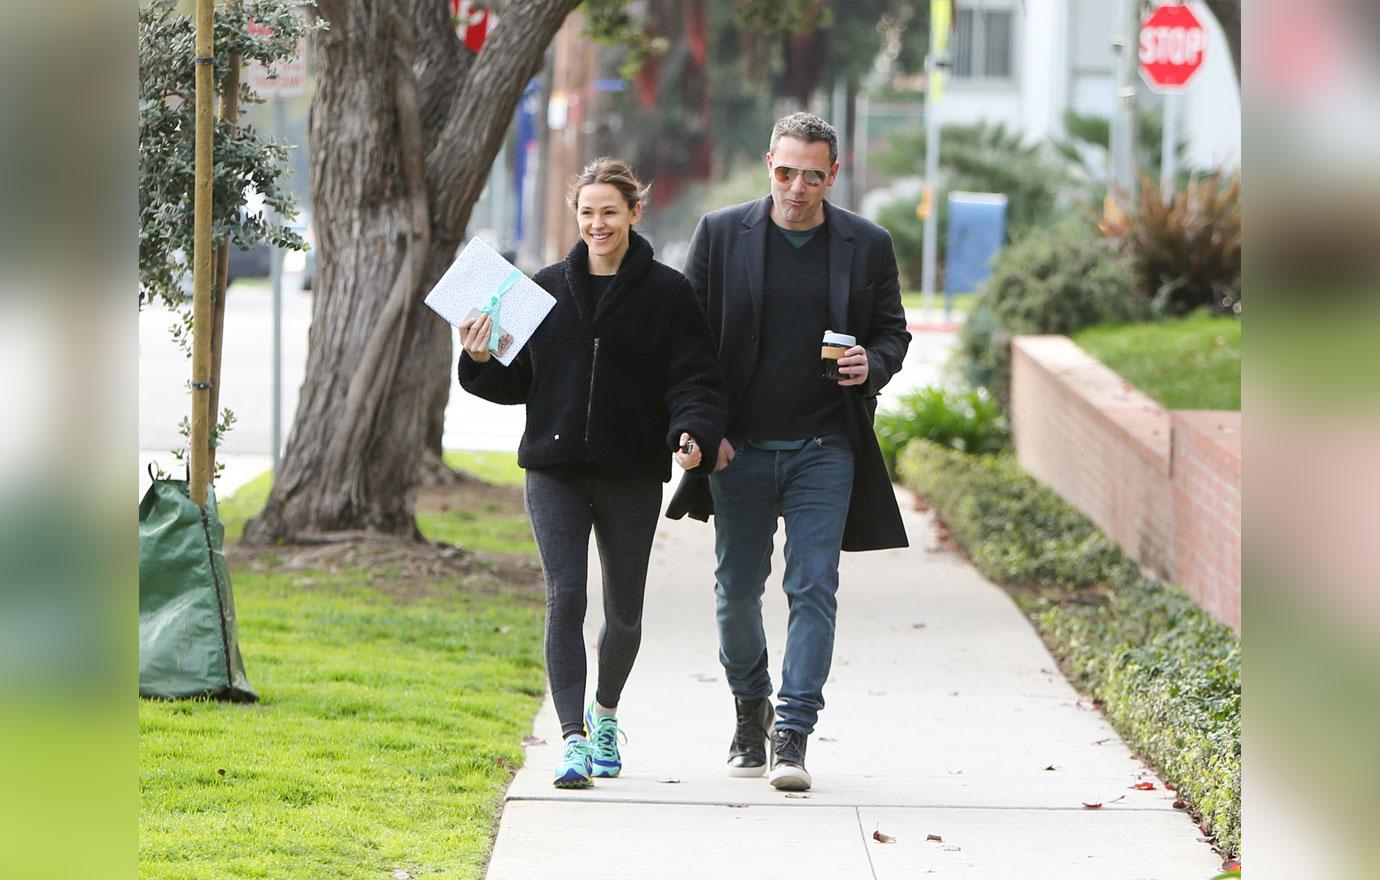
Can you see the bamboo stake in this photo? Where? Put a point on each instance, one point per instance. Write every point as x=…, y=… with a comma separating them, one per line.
x=201, y=252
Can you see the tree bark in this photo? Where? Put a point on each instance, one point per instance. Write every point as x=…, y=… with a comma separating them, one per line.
x=404, y=129
x=1228, y=15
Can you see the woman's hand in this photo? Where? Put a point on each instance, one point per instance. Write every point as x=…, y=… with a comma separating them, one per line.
x=474, y=337
x=689, y=455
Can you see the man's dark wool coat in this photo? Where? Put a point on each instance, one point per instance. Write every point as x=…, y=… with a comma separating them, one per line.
x=613, y=389
x=726, y=266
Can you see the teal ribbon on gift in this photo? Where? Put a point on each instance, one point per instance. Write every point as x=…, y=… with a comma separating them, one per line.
x=495, y=304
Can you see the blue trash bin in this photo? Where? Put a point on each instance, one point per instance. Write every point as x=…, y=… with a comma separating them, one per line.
x=977, y=230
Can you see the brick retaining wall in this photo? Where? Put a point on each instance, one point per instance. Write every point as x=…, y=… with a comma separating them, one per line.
x=1165, y=485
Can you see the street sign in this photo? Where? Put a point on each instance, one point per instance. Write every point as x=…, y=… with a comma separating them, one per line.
x=1172, y=41
x=287, y=79
x=472, y=23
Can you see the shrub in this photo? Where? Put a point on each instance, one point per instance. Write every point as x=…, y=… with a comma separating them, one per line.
x=1089, y=139
x=1055, y=280
x=1015, y=529
x=908, y=237
x=1168, y=675
x=1186, y=250
x=1169, y=678
x=978, y=157
x=970, y=422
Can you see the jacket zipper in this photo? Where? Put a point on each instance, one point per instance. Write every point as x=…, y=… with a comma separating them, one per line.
x=589, y=406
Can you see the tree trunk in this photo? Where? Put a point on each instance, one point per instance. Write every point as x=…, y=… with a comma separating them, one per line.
x=1228, y=15
x=404, y=128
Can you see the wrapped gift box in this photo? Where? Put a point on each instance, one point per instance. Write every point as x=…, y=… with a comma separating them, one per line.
x=481, y=281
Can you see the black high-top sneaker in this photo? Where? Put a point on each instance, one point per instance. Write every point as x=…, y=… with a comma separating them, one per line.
x=747, y=756
x=788, y=771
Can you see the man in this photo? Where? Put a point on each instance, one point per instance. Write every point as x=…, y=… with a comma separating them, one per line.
x=774, y=275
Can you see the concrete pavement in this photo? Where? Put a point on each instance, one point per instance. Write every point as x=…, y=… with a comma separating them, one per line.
x=945, y=716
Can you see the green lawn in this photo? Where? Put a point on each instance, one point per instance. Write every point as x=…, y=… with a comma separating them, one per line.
x=392, y=714
x=499, y=468
x=1189, y=363
x=914, y=299
x=486, y=524
x=487, y=521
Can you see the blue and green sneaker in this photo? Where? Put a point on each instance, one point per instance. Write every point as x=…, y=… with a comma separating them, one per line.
x=603, y=730
x=575, y=770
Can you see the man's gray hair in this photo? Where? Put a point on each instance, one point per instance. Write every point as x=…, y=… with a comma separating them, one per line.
x=809, y=128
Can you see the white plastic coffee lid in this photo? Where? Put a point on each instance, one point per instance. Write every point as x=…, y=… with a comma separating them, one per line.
x=832, y=338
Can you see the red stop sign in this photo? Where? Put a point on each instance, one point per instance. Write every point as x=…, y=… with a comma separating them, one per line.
x=1172, y=41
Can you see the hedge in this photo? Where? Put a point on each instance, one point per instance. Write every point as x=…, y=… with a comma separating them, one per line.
x=1167, y=674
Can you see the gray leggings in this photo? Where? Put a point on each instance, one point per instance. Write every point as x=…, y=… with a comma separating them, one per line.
x=623, y=514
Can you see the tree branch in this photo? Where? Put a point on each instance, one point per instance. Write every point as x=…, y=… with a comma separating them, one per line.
x=442, y=65
x=459, y=162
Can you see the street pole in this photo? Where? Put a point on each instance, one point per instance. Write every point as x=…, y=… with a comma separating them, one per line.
x=1125, y=122
x=280, y=131
x=860, y=146
x=1169, y=152
x=930, y=252
x=202, y=330
x=840, y=120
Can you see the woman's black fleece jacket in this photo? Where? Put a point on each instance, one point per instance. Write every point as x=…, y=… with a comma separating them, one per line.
x=612, y=390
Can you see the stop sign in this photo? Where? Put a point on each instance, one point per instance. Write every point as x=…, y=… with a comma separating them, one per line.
x=1171, y=48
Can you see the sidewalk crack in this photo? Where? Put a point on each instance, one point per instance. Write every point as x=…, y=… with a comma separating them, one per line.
x=866, y=849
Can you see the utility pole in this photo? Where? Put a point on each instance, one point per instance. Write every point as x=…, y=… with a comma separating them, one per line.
x=845, y=135
x=930, y=252
x=941, y=17
x=1125, y=121
x=1169, y=151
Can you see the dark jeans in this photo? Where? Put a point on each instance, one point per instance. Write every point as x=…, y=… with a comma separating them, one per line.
x=809, y=488
x=623, y=514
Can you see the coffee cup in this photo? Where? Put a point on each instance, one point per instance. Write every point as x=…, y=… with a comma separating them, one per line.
x=833, y=347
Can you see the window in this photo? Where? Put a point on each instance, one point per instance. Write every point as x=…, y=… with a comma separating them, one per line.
x=982, y=45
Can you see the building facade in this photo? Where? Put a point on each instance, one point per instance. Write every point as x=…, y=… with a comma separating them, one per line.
x=1023, y=63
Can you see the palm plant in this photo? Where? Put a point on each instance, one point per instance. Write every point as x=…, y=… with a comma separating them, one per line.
x=1185, y=249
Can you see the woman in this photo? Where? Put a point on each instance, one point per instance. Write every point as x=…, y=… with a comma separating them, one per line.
x=621, y=374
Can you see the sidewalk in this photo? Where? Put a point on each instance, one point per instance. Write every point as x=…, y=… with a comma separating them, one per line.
x=240, y=468
x=946, y=717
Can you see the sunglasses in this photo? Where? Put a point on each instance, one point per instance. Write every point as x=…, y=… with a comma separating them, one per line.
x=785, y=174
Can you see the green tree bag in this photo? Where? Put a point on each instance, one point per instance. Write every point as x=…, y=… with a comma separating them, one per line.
x=188, y=642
